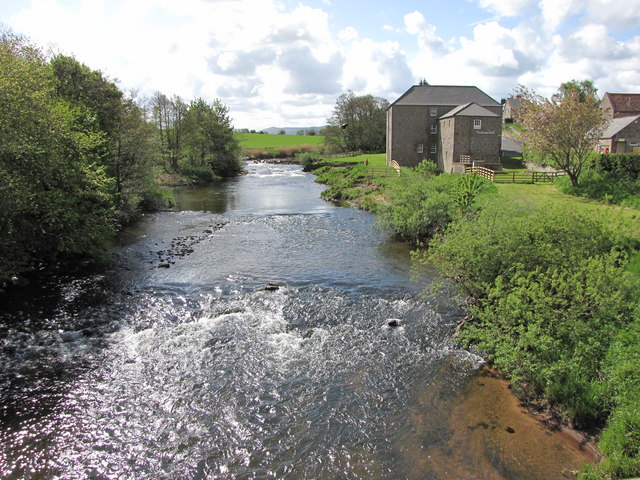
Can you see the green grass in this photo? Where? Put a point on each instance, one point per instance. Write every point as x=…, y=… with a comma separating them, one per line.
x=266, y=141
x=510, y=164
x=375, y=160
x=623, y=218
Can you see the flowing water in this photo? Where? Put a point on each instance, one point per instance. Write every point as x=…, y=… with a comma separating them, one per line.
x=243, y=336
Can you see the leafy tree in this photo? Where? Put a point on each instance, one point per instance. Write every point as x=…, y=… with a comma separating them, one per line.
x=209, y=140
x=564, y=129
x=358, y=123
x=89, y=88
x=55, y=197
x=128, y=150
x=169, y=115
x=423, y=83
x=585, y=89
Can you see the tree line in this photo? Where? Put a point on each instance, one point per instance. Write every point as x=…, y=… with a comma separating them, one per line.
x=79, y=157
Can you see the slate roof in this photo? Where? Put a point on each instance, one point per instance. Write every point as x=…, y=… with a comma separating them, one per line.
x=624, y=102
x=445, y=95
x=618, y=124
x=469, y=110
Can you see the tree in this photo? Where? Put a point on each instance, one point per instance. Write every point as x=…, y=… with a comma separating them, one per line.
x=169, y=114
x=584, y=89
x=91, y=89
x=209, y=140
x=564, y=129
x=56, y=198
x=358, y=123
x=127, y=151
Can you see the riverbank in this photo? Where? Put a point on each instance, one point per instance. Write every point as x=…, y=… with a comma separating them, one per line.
x=488, y=417
x=505, y=258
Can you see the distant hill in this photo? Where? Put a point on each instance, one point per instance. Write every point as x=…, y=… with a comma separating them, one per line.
x=290, y=130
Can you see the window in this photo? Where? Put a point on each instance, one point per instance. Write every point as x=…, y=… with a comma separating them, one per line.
x=433, y=111
x=433, y=148
x=434, y=128
x=477, y=124
x=420, y=148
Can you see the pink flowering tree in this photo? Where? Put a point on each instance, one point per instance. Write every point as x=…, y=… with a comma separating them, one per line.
x=564, y=129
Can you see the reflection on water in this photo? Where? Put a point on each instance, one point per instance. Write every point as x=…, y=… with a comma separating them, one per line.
x=244, y=336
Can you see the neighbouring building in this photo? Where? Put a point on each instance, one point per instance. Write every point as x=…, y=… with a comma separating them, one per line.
x=510, y=108
x=621, y=136
x=453, y=126
x=618, y=105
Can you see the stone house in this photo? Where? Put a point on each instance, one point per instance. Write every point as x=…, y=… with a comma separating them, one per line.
x=621, y=136
x=618, y=105
x=470, y=134
x=453, y=126
x=510, y=108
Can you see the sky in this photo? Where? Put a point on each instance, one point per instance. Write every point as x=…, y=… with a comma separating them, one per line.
x=284, y=63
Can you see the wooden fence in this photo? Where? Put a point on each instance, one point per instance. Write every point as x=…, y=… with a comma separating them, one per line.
x=384, y=171
x=515, y=177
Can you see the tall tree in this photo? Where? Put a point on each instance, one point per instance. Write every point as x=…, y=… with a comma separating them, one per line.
x=358, y=123
x=585, y=90
x=209, y=139
x=169, y=114
x=564, y=129
x=55, y=197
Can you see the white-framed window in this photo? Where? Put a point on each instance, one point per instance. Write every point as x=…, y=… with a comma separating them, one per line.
x=634, y=144
x=420, y=148
x=434, y=128
x=433, y=148
x=477, y=124
x=433, y=111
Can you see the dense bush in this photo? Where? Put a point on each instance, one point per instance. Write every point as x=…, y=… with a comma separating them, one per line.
x=620, y=440
x=608, y=187
x=623, y=165
x=554, y=305
x=424, y=204
x=56, y=198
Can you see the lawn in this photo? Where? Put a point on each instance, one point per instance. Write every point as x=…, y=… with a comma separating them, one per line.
x=375, y=159
x=265, y=141
x=625, y=219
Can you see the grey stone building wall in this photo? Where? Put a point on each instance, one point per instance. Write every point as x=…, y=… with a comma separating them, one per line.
x=460, y=138
x=628, y=139
x=415, y=125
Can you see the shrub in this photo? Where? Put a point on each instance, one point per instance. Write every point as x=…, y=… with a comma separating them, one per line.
x=623, y=165
x=200, y=174
x=620, y=440
x=550, y=293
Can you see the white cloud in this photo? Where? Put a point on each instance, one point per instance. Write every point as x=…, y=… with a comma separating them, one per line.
x=415, y=24
x=507, y=8
x=286, y=66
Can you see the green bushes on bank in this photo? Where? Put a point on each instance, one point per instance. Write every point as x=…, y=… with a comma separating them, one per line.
x=554, y=306
x=611, y=178
x=423, y=204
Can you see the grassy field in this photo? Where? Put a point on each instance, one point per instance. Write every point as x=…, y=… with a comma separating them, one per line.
x=266, y=141
x=624, y=218
x=375, y=159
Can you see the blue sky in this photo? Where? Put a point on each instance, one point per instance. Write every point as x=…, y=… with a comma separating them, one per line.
x=285, y=62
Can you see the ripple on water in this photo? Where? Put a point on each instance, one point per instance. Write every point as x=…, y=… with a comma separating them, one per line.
x=293, y=383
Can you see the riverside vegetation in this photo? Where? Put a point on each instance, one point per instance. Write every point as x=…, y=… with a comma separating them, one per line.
x=551, y=290
x=79, y=158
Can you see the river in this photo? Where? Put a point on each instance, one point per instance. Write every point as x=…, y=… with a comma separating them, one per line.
x=246, y=336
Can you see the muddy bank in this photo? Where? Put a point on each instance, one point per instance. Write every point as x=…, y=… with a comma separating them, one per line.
x=491, y=430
